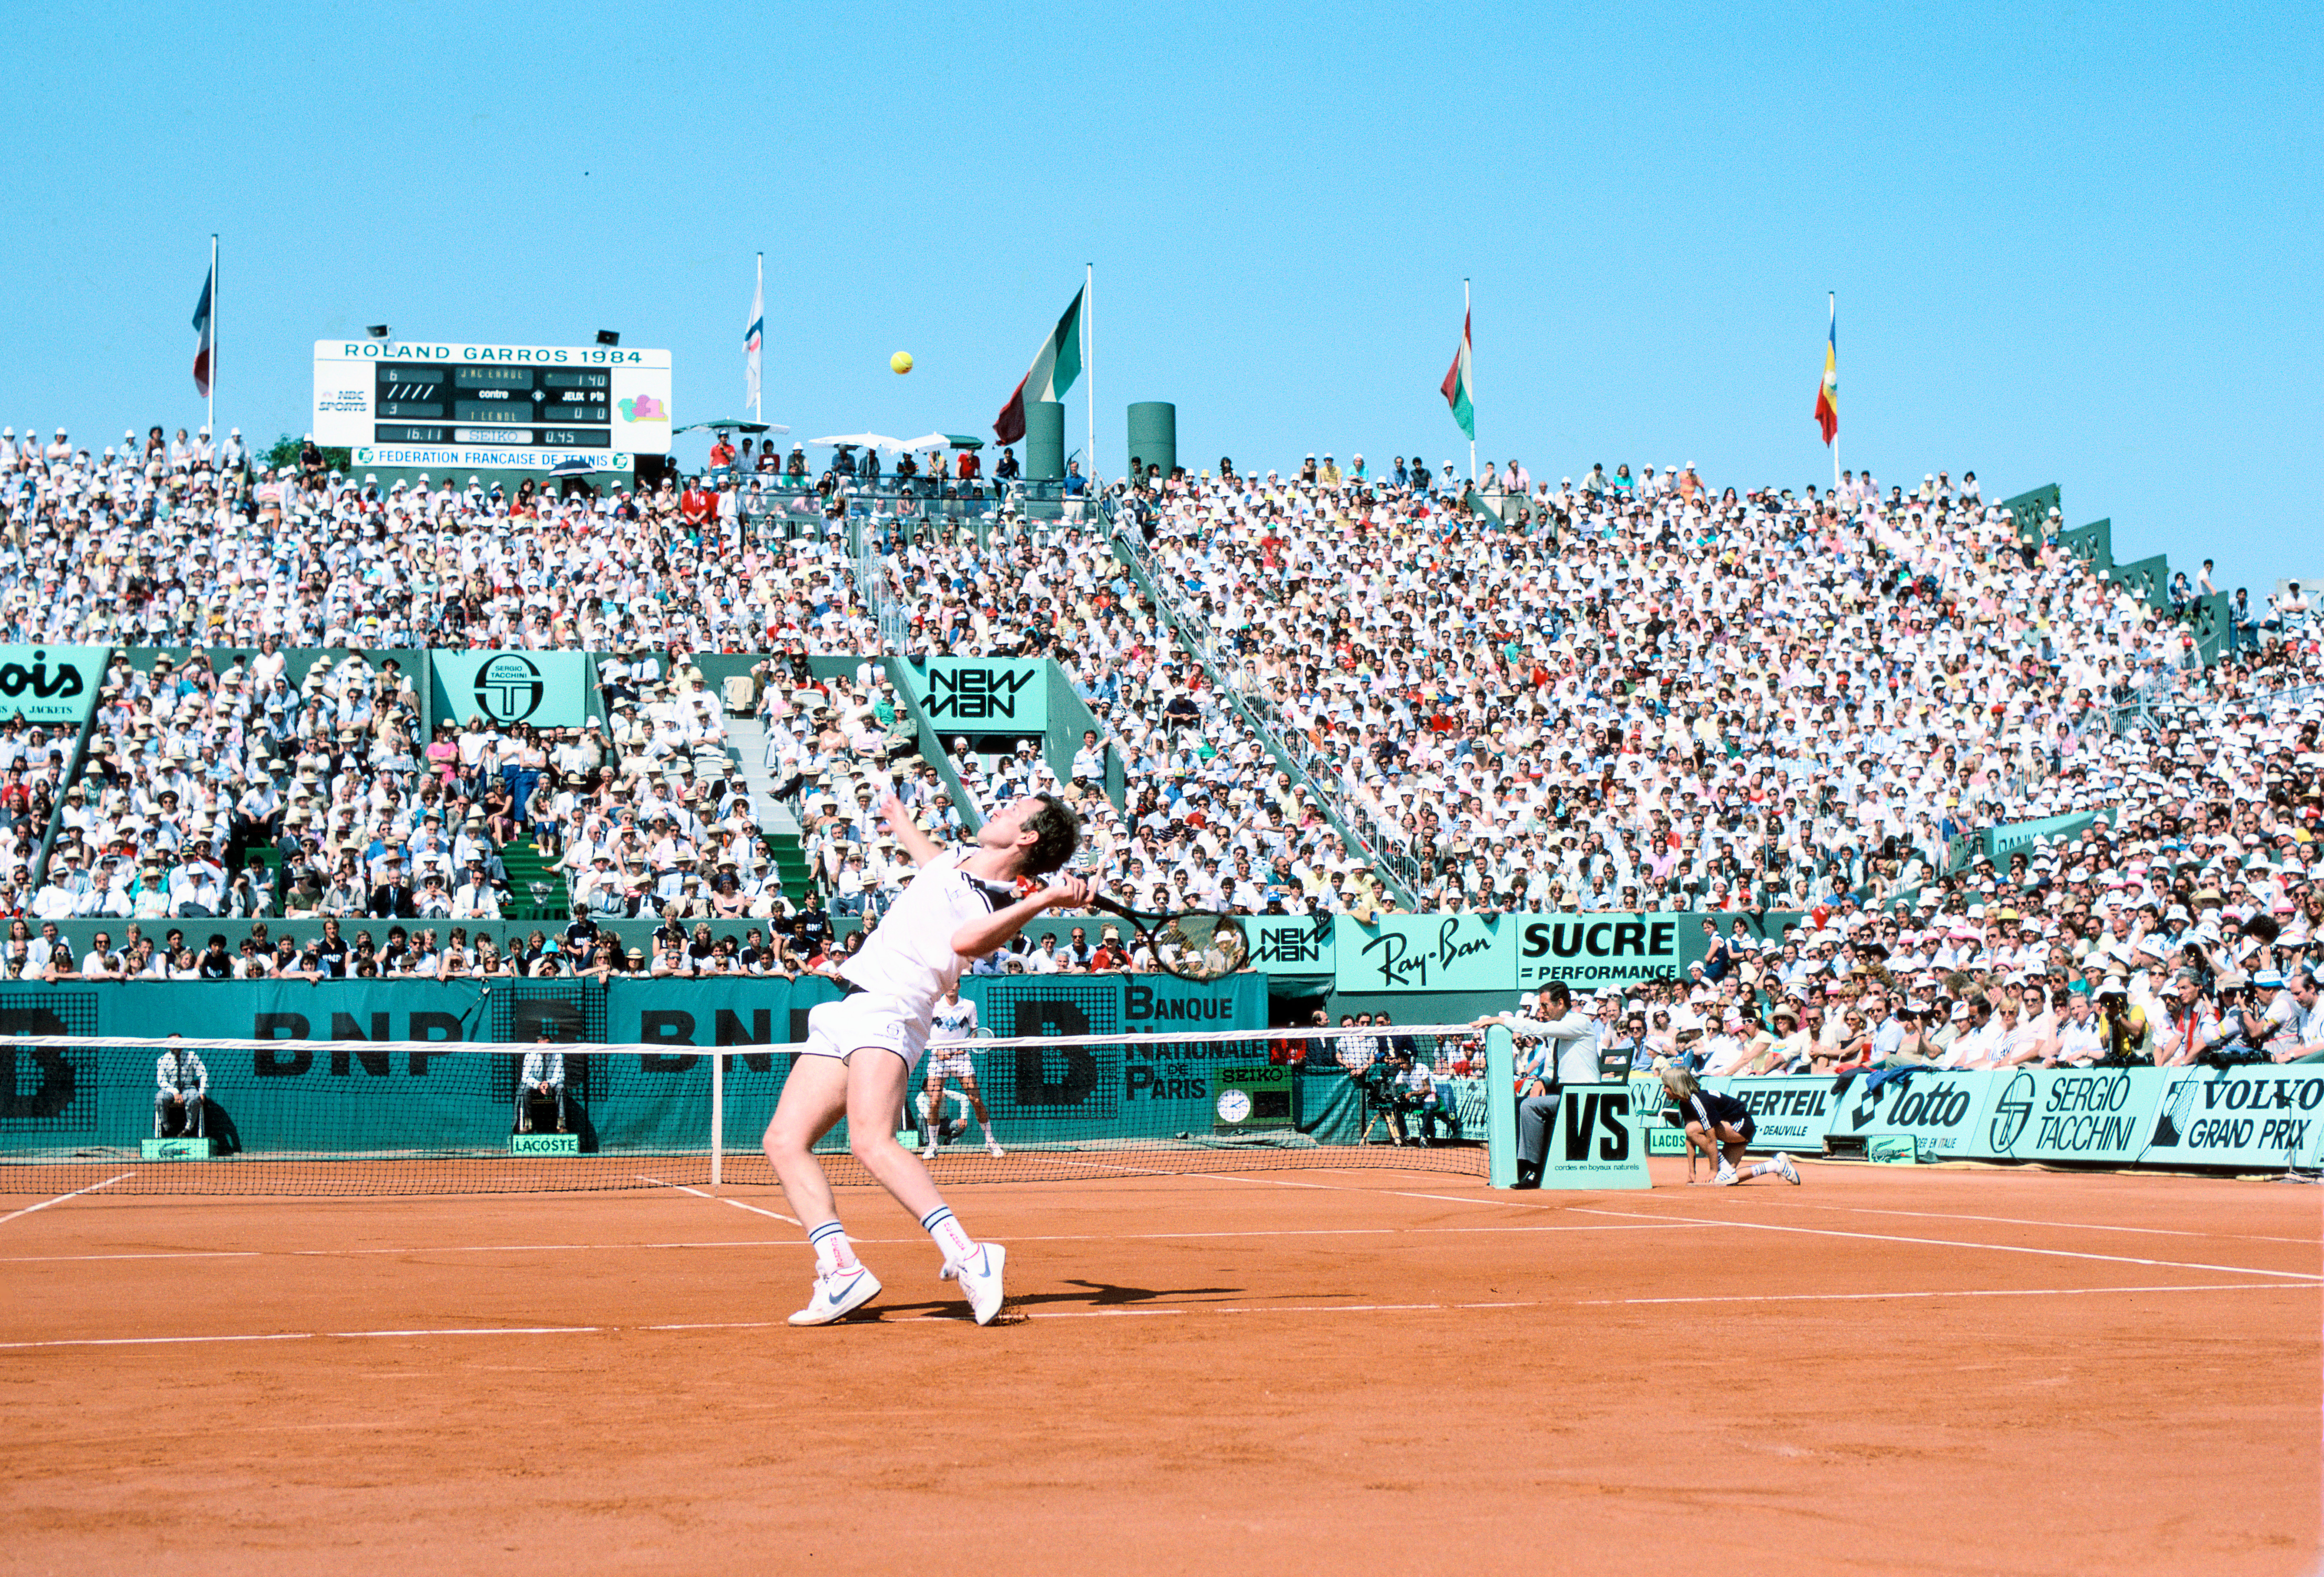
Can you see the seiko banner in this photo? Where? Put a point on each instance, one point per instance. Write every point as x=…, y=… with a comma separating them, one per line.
x=548, y=689
x=50, y=684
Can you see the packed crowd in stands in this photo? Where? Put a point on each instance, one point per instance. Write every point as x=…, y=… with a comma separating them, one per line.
x=1629, y=694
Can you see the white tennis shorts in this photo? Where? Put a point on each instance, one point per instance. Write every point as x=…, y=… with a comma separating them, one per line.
x=843, y=1027
x=951, y=1062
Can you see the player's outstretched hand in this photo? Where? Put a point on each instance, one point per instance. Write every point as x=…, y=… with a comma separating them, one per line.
x=1068, y=892
x=895, y=813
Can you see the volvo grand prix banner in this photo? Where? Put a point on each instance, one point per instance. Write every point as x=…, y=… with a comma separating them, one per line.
x=50, y=684
x=548, y=689
x=2266, y=1118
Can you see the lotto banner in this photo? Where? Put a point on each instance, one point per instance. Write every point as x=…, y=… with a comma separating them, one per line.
x=1940, y=1112
x=2256, y=1115
x=2069, y=1114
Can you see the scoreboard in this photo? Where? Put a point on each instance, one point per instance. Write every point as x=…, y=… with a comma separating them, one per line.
x=521, y=406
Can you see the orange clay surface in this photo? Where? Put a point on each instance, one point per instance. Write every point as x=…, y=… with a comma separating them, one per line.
x=1889, y=1370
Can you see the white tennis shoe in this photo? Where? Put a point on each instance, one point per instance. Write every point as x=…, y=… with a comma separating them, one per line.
x=980, y=1278
x=1726, y=1178
x=837, y=1296
x=992, y=1148
x=1791, y=1173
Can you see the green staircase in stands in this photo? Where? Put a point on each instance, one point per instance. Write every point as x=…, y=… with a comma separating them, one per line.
x=790, y=863
x=537, y=889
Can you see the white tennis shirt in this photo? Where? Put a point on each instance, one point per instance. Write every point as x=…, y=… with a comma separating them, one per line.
x=910, y=956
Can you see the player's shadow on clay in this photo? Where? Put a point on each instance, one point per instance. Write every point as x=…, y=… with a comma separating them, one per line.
x=1095, y=1295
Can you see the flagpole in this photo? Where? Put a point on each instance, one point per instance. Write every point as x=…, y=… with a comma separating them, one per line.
x=1089, y=363
x=1471, y=347
x=211, y=419
x=759, y=298
x=1835, y=350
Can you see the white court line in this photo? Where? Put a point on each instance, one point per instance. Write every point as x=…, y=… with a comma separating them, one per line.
x=1812, y=1297
x=1754, y=1226
x=61, y=1198
x=2012, y=1220
x=738, y=1205
x=871, y=1242
x=312, y=1336
x=1159, y=1312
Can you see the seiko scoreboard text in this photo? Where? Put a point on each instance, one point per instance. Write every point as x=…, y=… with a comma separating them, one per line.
x=526, y=407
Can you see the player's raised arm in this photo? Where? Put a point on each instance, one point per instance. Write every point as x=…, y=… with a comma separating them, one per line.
x=921, y=847
x=987, y=933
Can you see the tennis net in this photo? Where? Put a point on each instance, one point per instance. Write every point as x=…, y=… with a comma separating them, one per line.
x=377, y=1117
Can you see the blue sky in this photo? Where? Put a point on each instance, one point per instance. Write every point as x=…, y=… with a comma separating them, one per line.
x=2071, y=242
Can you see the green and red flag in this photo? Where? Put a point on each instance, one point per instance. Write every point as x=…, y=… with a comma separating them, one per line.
x=1456, y=388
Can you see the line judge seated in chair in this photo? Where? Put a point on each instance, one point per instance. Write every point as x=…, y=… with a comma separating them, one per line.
x=540, y=1085
x=180, y=1103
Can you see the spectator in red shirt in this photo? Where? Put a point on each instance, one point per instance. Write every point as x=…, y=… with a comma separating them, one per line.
x=722, y=452
x=968, y=468
x=696, y=505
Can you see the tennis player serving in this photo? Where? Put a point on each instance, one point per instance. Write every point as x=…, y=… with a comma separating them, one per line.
x=860, y=1050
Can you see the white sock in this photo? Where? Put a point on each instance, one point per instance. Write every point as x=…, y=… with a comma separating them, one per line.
x=952, y=1241
x=833, y=1251
x=988, y=1130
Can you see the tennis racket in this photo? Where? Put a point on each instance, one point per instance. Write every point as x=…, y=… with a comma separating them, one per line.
x=1193, y=944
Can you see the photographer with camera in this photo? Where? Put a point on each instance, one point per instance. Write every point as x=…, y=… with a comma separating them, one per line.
x=2123, y=1031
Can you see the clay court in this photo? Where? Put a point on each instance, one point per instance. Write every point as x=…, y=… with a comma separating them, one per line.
x=1931, y=1369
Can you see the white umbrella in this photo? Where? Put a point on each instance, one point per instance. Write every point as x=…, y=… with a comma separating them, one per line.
x=867, y=440
x=932, y=440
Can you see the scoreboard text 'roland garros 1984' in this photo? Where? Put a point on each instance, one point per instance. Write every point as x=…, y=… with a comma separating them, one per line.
x=518, y=407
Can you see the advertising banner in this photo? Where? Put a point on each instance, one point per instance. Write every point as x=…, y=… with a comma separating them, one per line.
x=2256, y=1115
x=2069, y=1114
x=1426, y=953
x=988, y=695
x=1938, y=1112
x=1590, y=951
x=1596, y=1139
x=548, y=689
x=53, y=685
x=1290, y=944
x=1786, y=1113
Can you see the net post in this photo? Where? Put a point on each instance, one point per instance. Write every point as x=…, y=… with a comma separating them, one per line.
x=1500, y=1107
x=717, y=1117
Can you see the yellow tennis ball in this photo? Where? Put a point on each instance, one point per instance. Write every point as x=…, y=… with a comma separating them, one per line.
x=901, y=363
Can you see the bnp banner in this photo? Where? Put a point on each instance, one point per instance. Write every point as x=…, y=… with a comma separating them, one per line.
x=2256, y=1115
x=2069, y=1114
x=1596, y=1139
x=548, y=689
x=988, y=695
x=1589, y=951
x=1426, y=953
x=50, y=684
x=1940, y=1112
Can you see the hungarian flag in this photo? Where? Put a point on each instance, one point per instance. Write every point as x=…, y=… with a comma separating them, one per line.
x=1456, y=387
x=202, y=328
x=1827, y=412
x=1055, y=368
